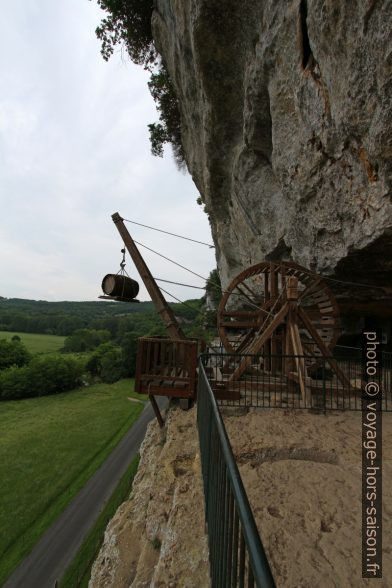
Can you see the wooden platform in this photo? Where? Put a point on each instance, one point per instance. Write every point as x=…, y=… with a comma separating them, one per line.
x=166, y=367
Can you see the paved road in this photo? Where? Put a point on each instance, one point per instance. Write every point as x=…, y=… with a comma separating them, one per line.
x=58, y=546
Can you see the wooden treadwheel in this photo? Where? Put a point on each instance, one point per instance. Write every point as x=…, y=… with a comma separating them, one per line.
x=257, y=295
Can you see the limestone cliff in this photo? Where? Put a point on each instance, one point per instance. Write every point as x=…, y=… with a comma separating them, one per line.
x=286, y=109
x=157, y=537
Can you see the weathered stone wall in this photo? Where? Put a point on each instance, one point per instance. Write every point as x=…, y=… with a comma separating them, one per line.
x=157, y=537
x=286, y=112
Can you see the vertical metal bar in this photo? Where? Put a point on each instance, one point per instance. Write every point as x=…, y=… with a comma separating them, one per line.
x=226, y=504
x=230, y=534
x=220, y=520
x=242, y=560
x=235, y=549
x=225, y=538
x=250, y=576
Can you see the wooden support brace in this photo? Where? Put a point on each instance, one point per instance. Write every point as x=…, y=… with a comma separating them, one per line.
x=259, y=342
x=300, y=363
x=156, y=410
x=323, y=348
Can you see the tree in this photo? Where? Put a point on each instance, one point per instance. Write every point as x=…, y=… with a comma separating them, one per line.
x=129, y=350
x=214, y=287
x=213, y=296
x=107, y=363
x=169, y=129
x=44, y=375
x=13, y=353
x=128, y=24
x=85, y=340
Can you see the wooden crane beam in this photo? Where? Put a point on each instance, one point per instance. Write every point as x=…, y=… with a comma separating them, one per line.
x=173, y=328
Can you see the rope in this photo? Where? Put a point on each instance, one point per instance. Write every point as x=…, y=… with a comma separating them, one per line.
x=182, y=302
x=171, y=260
x=180, y=284
x=341, y=281
x=310, y=273
x=168, y=233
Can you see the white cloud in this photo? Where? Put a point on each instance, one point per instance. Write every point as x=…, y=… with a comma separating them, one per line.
x=74, y=149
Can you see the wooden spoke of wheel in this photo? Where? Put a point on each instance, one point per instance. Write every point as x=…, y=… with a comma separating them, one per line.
x=257, y=294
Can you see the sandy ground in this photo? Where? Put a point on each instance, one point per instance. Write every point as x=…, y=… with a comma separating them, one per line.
x=302, y=473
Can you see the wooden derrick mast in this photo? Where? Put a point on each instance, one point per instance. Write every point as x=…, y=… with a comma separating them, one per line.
x=164, y=366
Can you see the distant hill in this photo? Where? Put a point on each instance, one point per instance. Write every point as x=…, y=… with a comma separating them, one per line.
x=63, y=318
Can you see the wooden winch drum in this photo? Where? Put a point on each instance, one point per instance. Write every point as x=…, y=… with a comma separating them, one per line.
x=120, y=285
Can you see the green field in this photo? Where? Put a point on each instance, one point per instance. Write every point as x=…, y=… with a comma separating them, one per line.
x=37, y=343
x=49, y=447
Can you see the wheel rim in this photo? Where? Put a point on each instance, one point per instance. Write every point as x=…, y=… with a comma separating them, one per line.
x=259, y=292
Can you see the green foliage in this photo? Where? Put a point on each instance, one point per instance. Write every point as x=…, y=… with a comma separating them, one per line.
x=15, y=383
x=78, y=573
x=86, y=339
x=50, y=447
x=128, y=23
x=63, y=318
x=168, y=130
x=129, y=350
x=107, y=363
x=214, y=293
x=214, y=287
x=44, y=375
x=36, y=343
x=118, y=319
x=13, y=353
x=112, y=366
x=15, y=338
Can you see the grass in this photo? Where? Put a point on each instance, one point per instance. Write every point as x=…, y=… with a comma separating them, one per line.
x=50, y=447
x=37, y=343
x=78, y=573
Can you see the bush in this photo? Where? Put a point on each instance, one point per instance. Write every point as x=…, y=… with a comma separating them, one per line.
x=107, y=363
x=129, y=349
x=13, y=353
x=42, y=376
x=15, y=383
x=112, y=366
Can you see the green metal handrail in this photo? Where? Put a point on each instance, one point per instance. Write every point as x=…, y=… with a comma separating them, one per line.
x=236, y=551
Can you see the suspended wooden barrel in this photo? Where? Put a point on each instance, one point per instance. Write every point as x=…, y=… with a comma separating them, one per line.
x=120, y=286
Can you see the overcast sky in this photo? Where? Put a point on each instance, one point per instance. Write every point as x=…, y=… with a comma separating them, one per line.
x=74, y=148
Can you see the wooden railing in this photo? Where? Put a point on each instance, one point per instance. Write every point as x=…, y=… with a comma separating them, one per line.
x=166, y=367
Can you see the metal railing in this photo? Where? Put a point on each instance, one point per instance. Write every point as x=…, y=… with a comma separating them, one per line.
x=274, y=382
x=237, y=557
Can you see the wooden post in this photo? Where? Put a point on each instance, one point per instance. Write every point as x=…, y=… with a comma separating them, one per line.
x=292, y=288
x=324, y=350
x=261, y=339
x=293, y=332
x=155, y=406
x=274, y=288
x=164, y=310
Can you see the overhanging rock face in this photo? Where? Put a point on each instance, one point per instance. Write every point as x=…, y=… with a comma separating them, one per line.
x=286, y=113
